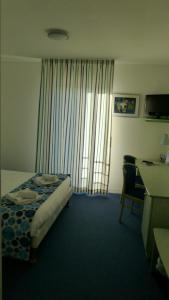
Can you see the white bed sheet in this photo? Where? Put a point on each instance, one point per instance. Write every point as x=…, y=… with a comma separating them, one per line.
x=11, y=179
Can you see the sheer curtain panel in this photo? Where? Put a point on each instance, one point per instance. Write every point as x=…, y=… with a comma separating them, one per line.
x=74, y=124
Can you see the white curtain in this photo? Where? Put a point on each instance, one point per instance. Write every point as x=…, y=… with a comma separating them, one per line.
x=74, y=125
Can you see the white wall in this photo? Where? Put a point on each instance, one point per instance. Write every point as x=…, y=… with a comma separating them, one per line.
x=20, y=82
x=20, y=95
x=0, y=253
x=135, y=135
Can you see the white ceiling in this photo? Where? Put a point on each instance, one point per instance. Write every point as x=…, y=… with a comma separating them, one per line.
x=129, y=30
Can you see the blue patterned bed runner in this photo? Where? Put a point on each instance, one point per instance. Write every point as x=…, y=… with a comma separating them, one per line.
x=16, y=218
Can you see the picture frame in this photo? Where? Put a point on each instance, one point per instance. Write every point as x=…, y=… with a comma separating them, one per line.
x=125, y=105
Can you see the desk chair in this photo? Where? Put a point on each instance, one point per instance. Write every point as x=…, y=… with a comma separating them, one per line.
x=129, y=159
x=130, y=191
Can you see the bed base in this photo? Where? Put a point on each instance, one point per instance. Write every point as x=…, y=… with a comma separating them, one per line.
x=36, y=240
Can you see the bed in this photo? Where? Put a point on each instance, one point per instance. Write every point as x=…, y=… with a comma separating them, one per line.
x=48, y=211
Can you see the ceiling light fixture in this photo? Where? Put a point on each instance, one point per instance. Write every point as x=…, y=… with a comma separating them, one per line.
x=57, y=34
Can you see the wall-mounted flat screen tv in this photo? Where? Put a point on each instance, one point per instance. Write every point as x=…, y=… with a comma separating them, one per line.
x=157, y=106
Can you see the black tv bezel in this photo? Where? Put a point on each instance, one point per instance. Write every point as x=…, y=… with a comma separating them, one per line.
x=157, y=114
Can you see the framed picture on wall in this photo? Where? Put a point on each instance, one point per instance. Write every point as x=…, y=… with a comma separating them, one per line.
x=125, y=105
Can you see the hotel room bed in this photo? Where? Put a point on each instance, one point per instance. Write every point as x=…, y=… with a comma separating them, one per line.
x=48, y=211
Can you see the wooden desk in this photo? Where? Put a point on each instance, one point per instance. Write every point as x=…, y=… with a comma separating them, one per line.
x=156, y=203
x=161, y=237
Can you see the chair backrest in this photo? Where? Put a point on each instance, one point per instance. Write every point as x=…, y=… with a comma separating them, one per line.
x=129, y=178
x=129, y=159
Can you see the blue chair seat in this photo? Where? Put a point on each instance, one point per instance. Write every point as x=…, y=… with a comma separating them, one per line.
x=130, y=189
x=137, y=192
x=139, y=180
x=129, y=159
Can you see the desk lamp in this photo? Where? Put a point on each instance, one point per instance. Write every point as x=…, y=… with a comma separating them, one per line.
x=165, y=142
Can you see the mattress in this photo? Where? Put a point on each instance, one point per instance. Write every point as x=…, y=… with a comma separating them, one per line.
x=48, y=211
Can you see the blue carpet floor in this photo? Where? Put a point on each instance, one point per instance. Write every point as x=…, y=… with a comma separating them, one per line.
x=87, y=255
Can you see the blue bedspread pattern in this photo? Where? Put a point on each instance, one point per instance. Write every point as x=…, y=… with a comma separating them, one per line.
x=16, y=219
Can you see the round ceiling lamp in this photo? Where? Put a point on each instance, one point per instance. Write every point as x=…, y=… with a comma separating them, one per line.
x=57, y=34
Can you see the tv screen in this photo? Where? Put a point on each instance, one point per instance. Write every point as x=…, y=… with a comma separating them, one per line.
x=157, y=105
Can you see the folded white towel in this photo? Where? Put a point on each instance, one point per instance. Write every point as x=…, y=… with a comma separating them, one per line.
x=49, y=177
x=25, y=196
x=46, y=179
